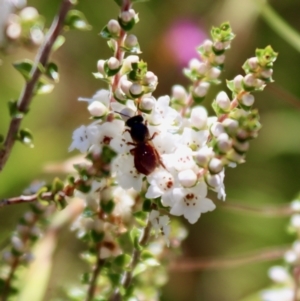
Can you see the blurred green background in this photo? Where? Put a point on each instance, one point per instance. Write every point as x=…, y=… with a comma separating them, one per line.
x=269, y=177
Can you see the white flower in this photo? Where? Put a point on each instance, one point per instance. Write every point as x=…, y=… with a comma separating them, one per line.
x=162, y=113
x=282, y=294
x=194, y=139
x=279, y=274
x=160, y=224
x=161, y=183
x=123, y=200
x=82, y=139
x=190, y=202
x=126, y=174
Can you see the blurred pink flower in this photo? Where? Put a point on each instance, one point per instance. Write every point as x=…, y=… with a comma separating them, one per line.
x=182, y=38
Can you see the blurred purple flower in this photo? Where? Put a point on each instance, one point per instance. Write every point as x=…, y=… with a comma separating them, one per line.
x=182, y=38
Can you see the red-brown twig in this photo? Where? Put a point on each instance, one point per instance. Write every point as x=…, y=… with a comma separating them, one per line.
x=28, y=90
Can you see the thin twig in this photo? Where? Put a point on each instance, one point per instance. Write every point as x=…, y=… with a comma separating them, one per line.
x=127, y=279
x=92, y=285
x=196, y=264
x=28, y=90
x=47, y=196
x=296, y=274
x=267, y=211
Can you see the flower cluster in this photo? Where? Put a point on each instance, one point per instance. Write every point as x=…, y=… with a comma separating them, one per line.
x=20, y=24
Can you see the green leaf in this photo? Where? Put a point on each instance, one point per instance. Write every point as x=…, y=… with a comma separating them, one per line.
x=76, y=20
x=141, y=217
x=52, y=72
x=107, y=207
x=147, y=205
x=14, y=110
x=111, y=72
x=223, y=33
x=105, y=34
x=122, y=260
x=96, y=236
x=57, y=185
x=115, y=278
x=26, y=137
x=24, y=67
x=1, y=138
x=43, y=87
x=60, y=40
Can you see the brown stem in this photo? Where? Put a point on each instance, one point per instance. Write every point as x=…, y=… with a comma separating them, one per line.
x=28, y=91
x=127, y=279
x=7, y=284
x=47, y=196
x=197, y=264
x=93, y=283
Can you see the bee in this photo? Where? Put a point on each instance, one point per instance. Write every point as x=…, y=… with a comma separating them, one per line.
x=146, y=157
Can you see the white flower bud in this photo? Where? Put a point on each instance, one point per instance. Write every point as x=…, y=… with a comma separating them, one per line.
x=28, y=13
x=113, y=27
x=113, y=63
x=22, y=229
x=231, y=125
x=126, y=16
x=98, y=225
x=179, y=93
x=8, y=257
x=203, y=156
x=224, y=143
x=213, y=73
x=100, y=66
x=253, y=63
x=220, y=59
x=215, y=165
x=187, y=178
x=136, y=89
x=194, y=64
x=202, y=69
x=238, y=82
x=241, y=146
x=131, y=41
x=207, y=45
x=201, y=89
x=17, y=244
x=125, y=85
x=295, y=206
x=250, y=80
x=150, y=79
x=232, y=155
x=248, y=100
x=278, y=274
x=267, y=73
x=13, y=31
x=217, y=129
x=29, y=217
x=218, y=45
x=147, y=103
x=295, y=221
x=19, y=3
x=223, y=101
x=213, y=180
x=37, y=36
x=290, y=256
x=35, y=231
x=199, y=117
x=97, y=109
x=127, y=62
